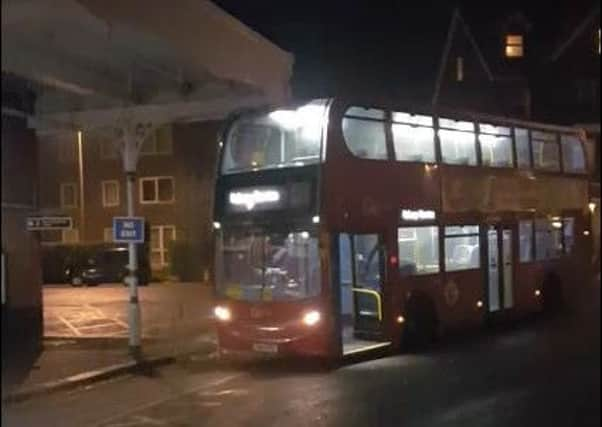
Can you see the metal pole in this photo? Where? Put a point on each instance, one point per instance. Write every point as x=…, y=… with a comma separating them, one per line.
x=82, y=214
x=134, y=307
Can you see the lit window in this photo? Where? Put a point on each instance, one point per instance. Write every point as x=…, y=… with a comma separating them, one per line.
x=523, y=153
x=514, y=46
x=418, y=250
x=364, y=133
x=462, y=247
x=496, y=146
x=413, y=138
x=546, y=152
x=459, y=69
x=458, y=144
x=110, y=193
x=157, y=190
x=572, y=154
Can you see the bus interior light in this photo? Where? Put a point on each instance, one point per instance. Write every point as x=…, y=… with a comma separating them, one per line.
x=222, y=313
x=216, y=225
x=557, y=224
x=537, y=292
x=591, y=206
x=586, y=232
x=315, y=219
x=479, y=303
x=400, y=319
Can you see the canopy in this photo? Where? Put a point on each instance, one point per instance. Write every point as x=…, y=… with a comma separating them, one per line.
x=94, y=61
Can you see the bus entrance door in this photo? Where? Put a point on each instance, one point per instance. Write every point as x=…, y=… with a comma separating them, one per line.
x=360, y=278
x=500, y=268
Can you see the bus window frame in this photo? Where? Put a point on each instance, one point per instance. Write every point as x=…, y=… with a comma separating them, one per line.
x=440, y=243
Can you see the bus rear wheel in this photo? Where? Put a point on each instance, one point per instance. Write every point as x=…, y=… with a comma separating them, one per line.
x=553, y=300
x=420, y=328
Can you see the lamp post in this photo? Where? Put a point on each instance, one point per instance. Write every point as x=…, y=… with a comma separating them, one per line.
x=82, y=212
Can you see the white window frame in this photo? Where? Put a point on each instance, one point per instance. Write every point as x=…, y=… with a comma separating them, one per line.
x=514, y=46
x=156, y=181
x=105, y=202
x=151, y=143
x=107, y=232
x=162, y=249
x=62, y=195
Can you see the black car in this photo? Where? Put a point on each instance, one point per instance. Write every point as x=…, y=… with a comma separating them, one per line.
x=93, y=264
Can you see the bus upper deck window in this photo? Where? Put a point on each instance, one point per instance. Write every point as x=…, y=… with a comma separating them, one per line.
x=413, y=137
x=496, y=145
x=546, y=153
x=281, y=138
x=572, y=154
x=523, y=155
x=364, y=132
x=458, y=143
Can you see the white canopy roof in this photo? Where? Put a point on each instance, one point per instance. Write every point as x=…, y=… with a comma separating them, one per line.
x=94, y=61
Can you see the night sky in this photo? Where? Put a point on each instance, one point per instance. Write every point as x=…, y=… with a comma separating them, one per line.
x=385, y=47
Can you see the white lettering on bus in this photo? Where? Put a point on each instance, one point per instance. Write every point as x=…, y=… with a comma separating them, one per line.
x=253, y=198
x=417, y=215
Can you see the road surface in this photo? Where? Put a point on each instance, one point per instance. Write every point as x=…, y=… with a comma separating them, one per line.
x=542, y=373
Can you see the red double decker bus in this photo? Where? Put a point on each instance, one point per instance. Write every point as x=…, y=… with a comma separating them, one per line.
x=346, y=226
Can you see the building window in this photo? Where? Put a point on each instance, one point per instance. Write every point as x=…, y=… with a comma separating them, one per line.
x=418, y=250
x=462, y=247
x=413, y=138
x=459, y=69
x=158, y=143
x=108, y=150
x=546, y=152
x=107, y=234
x=157, y=190
x=573, y=157
x=160, y=240
x=68, y=195
x=523, y=153
x=514, y=46
x=458, y=143
x=110, y=193
x=525, y=235
x=364, y=132
x=496, y=146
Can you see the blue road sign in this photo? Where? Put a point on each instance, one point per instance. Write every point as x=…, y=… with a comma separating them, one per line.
x=128, y=229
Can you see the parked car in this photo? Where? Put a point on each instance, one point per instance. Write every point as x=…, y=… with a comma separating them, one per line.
x=93, y=264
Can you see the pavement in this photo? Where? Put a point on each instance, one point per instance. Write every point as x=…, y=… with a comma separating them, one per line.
x=86, y=329
x=102, y=311
x=544, y=372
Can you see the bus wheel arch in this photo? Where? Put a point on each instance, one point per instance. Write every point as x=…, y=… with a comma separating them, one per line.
x=421, y=324
x=552, y=293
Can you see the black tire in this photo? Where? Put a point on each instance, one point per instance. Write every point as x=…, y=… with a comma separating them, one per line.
x=421, y=326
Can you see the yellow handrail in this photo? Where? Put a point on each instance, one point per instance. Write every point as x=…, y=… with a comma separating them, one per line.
x=376, y=295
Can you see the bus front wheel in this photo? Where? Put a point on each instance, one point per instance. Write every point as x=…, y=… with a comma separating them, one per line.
x=421, y=326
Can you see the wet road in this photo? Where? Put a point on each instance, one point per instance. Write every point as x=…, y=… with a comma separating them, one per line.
x=539, y=373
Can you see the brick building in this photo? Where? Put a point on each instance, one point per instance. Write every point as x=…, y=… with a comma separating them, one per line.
x=174, y=192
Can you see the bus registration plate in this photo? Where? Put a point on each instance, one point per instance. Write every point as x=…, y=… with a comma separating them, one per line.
x=265, y=348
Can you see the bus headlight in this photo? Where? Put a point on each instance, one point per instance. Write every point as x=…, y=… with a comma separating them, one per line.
x=311, y=318
x=222, y=313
